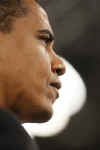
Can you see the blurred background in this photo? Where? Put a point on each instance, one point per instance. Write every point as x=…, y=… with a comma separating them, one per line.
x=76, y=24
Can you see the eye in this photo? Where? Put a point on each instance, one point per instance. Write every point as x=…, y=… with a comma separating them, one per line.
x=46, y=39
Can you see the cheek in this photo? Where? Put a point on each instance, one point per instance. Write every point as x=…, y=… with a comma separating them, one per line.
x=41, y=62
x=30, y=61
x=27, y=70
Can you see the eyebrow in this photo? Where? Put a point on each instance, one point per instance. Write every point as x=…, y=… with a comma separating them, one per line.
x=46, y=31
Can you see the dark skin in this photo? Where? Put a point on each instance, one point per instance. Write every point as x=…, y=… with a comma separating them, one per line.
x=29, y=67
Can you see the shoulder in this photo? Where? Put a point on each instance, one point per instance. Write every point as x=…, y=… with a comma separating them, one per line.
x=12, y=135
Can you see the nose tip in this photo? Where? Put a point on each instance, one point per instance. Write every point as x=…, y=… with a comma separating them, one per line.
x=57, y=65
x=59, y=69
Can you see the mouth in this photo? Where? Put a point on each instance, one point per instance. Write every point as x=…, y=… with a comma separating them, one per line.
x=55, y=86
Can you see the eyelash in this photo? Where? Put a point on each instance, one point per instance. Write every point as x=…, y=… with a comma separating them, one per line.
x=45, y=39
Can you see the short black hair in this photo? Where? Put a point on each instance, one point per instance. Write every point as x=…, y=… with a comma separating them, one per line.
x=9, y=10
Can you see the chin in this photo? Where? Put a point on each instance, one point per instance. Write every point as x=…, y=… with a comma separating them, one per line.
x=37, y=112
x=40, y=116
x=42, y=113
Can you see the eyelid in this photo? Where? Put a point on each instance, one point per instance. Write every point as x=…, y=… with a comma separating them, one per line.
x=46, y=38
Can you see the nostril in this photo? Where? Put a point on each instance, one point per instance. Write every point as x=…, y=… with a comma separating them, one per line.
x=59, y=71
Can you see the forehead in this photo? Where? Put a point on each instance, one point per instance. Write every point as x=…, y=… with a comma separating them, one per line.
x=38, y=16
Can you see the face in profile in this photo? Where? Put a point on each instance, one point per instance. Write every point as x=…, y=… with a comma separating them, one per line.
x=29, y=68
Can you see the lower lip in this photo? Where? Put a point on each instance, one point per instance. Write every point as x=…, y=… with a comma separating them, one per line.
x=53, y=93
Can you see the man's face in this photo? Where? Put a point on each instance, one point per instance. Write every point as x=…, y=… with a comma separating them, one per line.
x=29, y=67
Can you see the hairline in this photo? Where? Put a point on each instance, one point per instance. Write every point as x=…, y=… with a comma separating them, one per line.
x=9, y=14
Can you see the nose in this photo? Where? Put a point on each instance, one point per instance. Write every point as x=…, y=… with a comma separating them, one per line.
x=57, y=65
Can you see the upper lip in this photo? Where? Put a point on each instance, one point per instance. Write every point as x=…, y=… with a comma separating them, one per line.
x=56, y=84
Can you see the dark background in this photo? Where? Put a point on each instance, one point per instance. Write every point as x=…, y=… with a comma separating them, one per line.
x=76, y=24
